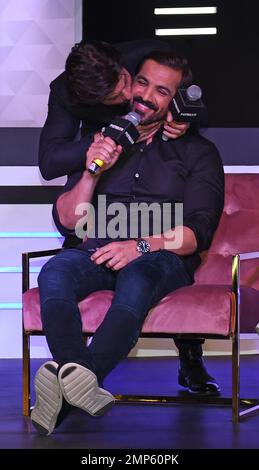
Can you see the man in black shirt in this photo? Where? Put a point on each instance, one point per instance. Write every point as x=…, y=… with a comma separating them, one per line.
x=185, y=171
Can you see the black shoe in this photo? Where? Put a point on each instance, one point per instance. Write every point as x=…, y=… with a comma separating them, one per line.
x=192, y=371
x=195, y=377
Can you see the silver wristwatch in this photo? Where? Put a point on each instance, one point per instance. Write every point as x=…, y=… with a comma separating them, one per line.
x=143, y=246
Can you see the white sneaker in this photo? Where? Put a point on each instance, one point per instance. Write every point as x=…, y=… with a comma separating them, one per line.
x=80, y=388
x=48, y=398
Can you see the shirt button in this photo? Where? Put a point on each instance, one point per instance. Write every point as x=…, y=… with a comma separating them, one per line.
x=136, y=175
x=141, y=150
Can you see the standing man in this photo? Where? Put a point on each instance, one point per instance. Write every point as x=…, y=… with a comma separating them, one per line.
x=186, y=170
x=95, y=87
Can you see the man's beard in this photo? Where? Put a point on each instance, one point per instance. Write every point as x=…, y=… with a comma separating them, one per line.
x=158, y=117
x=155, y=118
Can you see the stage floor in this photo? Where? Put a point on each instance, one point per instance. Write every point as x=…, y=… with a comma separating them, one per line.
x=195, y=426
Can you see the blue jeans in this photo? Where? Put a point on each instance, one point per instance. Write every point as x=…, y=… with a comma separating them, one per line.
x=70, y=276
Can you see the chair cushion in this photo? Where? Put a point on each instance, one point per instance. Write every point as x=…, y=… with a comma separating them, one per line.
x=206, y=307
x=194, y=309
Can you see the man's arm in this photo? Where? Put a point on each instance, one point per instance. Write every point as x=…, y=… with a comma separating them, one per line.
x=116, y=255
x=72, y=181
x=204, y=193
x=203, y=205
x=180, y=240
x=68, y=201
x=107, y=150
x=59, y=153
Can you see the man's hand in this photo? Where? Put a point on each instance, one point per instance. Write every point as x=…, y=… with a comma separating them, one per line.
x=147, y=131
x=173, y=129
x=116, y=255
x=105, y=149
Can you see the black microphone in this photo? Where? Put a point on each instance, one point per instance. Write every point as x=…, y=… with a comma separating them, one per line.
x=186, y=105
x=123, y=131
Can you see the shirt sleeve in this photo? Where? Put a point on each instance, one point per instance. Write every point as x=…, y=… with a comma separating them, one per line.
x=71, y=182
x=59, y=152
x=204, y=193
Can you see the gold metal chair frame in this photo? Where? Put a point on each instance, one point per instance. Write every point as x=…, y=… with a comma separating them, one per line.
x=236, y=401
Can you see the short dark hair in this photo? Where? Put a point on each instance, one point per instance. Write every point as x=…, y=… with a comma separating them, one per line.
x=173, y=59
x=92, y=71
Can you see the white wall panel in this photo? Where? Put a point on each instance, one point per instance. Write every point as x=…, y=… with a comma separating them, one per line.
x=39, y=347
x=11, y=249
x=10, y=333
x=26, y=176
x=26, y=217
x=11, y=337
x=36, y=37
x=11, y=286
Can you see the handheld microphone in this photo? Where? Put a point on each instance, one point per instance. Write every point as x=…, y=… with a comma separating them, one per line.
x=123, y=131
x=186, y=105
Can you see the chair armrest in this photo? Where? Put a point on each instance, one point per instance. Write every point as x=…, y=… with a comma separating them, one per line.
x=39, y=254
x=236, y=267
x=236, y=281
x=248, y=255
x=26, y=264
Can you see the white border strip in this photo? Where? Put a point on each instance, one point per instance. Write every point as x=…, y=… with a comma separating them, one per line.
x=241, y=169
x=185, y=31
x=186, y=11
x=26, y=176
x=18, y=269
x=78, y=20
x=30, y=235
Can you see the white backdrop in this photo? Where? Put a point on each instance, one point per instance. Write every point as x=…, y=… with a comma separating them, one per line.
x=35, y=39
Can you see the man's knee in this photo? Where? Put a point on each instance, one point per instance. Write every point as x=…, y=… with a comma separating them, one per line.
x=53, y=269
x=44, y=273
x=146, y=274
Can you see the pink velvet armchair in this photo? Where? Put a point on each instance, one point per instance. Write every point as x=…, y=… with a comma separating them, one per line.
x=223, y=301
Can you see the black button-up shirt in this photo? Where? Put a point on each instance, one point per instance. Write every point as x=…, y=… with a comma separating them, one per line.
x=187, y=170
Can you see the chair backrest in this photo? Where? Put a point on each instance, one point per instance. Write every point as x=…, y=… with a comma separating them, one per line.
x=238, y=232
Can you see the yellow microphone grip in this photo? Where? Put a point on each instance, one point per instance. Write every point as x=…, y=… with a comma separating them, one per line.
x=99, y=162
x=96, y=166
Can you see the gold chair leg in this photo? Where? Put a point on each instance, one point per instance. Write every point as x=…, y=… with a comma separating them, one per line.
x=235, y=379
x=236, y=340
x=26, y=374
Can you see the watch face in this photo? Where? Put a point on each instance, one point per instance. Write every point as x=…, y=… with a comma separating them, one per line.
x=143, y=246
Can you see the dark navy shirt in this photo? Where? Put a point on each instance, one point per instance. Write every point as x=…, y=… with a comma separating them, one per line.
x=187, y=170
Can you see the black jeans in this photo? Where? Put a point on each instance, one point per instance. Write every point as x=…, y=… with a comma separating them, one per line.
x=70, y=276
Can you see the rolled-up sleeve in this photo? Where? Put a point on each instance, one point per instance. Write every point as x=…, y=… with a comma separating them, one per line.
x=71, y=182
x=204, y=193
x=60, y=152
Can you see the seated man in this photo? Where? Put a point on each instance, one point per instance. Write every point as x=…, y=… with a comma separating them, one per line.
x=141, y=262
